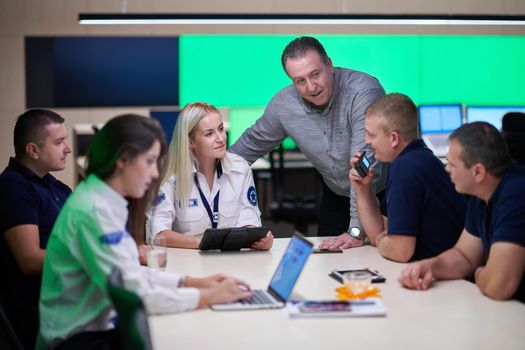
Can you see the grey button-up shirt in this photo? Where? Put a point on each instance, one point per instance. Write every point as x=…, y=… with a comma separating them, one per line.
x=328, y=137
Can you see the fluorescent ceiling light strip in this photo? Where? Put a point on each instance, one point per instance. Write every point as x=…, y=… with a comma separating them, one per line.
x=421, y=22
x=306, y=19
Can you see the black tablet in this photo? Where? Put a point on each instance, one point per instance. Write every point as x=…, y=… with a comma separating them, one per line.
x=231, y=238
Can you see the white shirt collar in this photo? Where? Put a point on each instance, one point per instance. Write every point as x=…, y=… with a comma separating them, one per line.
x=107, y=192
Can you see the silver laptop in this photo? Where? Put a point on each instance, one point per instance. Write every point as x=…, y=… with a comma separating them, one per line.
x=282, y=282
x=436, y=122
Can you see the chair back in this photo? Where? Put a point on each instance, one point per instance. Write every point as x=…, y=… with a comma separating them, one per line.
x=296, y=195
x=132, y=323
x=8, y=337
x=513, y=130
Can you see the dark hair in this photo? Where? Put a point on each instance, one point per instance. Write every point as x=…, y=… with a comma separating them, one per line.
x=400, y=114
x=482, y=143
x=298, y=48
x=128, y=136
x=30, y=127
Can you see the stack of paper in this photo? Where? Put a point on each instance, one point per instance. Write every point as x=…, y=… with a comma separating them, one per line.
x=369, y=307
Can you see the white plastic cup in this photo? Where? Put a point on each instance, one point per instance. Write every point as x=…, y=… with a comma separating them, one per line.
x=358, y=281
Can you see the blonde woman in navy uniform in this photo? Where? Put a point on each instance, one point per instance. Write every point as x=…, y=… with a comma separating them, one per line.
x=205, y=186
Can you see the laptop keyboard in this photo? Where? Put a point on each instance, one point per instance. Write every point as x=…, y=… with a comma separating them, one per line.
x=258, y=297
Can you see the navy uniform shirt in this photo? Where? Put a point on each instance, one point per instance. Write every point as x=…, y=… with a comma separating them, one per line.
x=26, y=199
x=421, y=201
x=502, y=219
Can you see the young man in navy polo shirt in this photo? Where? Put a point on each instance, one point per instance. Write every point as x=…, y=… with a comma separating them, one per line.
x=480, y=165
x=30, y=202
x=421, y=214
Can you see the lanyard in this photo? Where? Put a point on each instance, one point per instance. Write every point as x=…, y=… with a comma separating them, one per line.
x=213, y=215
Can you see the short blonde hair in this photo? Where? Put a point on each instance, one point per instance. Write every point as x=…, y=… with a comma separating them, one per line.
x=399, y=113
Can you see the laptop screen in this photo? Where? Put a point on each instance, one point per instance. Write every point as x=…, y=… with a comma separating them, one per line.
x=440, y=118
x=290, y=267
x=492, y=115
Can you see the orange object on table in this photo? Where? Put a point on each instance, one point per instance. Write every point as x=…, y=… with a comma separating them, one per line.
x=345, y=293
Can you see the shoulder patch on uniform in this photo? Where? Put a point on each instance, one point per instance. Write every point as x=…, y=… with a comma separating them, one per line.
x=252, y=196
x=159, y=199
x=112, y=238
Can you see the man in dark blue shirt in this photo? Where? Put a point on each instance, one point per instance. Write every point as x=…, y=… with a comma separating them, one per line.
x=421, y=215
x=480, y=165
x=30, y=202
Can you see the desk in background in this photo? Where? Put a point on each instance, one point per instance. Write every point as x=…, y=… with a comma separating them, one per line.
x=451, y=315
x=290, y=191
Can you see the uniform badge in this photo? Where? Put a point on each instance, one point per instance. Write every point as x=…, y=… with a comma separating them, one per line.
x=159, y=199
x=193, y=202
x=112, y=238
x=215, y=217
x=252, y=196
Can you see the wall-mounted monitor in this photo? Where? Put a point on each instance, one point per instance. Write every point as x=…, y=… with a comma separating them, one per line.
x=414, y=64
x=491, y=114
x=440, y=118
x=101, y=71
x=436, y=122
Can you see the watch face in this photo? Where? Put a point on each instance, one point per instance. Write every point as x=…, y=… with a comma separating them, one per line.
x=355, y=232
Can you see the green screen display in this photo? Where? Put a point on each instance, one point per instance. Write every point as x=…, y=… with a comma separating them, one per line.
x=238, y=71
x=242, y=118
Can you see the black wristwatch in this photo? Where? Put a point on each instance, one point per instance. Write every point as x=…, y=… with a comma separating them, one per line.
x=356, y=232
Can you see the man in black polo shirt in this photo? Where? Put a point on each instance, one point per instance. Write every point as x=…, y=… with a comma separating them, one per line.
x=480, y=165
x=421, y=214
x=30, y=202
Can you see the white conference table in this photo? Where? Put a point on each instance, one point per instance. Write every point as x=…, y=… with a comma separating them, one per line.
x=452, y=314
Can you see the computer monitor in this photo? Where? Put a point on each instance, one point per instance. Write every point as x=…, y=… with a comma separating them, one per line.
x=440, y=118
x=491, y=114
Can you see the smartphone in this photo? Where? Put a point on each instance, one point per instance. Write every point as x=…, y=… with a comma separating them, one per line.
x=325, y=306
x=326, y=251
x=363, y=165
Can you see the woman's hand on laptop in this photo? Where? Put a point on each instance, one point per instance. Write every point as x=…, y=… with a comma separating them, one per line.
x=264, y=243
x=226, y=291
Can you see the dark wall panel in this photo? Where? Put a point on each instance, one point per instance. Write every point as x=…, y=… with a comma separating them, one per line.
x=102, y=71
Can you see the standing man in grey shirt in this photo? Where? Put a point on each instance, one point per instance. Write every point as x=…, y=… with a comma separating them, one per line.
x=323, y=112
